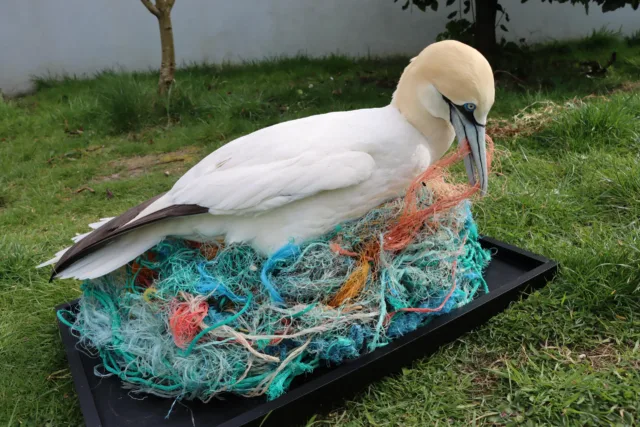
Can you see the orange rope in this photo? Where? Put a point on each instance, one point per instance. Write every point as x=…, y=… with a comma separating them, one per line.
x=410, y=222
x=209, y=251
x=185, y=319
x=340, y=251
x=412, y=219
x=353, y=285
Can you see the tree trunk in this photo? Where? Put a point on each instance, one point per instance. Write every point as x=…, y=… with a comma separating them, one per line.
x=168, y=65
x=485, y=34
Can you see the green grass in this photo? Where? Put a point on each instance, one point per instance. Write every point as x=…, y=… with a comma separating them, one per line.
x=568, y=355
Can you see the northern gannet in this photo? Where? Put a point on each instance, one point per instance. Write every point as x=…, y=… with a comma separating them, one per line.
x=298, y=179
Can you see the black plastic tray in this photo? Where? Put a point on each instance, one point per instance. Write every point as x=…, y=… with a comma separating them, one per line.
x=104, y=402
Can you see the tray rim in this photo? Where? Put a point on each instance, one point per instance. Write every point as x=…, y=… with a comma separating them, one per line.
x=545, y=272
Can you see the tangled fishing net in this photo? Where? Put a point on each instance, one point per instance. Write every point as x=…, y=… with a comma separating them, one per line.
x=190, y=321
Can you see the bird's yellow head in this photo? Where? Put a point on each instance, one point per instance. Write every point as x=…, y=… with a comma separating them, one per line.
x=453, y=82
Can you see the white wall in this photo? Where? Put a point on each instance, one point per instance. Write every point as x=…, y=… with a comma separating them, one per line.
x=39, y=37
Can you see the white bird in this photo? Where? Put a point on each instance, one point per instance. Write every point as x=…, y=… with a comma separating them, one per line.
x=298, y=179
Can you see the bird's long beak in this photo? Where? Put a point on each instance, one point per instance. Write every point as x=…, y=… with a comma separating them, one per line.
x=474, y=134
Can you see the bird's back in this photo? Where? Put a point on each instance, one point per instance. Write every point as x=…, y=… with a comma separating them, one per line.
x=364, y=129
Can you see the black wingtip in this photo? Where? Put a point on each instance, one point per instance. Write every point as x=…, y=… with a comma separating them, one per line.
x=53, y=275
x=118, y=226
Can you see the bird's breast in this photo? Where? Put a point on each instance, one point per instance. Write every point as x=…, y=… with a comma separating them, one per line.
x=421, y=158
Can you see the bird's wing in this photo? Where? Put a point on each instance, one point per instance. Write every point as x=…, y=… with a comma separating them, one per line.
x=260, y=171
x=283, y=163
x=259, y=187
x=239, y=189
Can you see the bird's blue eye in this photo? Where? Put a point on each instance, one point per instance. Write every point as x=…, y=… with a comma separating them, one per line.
x=469, y=106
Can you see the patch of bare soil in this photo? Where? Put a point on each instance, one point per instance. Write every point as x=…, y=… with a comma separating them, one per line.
x=171, y=163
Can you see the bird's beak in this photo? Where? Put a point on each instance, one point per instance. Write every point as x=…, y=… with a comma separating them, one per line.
x=473, y=133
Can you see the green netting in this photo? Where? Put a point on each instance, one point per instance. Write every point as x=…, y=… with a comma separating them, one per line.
x=178, y=324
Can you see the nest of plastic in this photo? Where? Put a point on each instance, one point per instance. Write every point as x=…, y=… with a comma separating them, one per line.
x=195, y=321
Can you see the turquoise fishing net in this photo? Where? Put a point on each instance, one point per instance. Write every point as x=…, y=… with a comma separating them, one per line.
x=264, y=322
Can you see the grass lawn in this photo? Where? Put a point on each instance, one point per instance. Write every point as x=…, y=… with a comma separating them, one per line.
x=567, y=187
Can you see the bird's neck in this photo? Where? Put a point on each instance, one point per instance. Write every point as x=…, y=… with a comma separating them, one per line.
x=438, y=132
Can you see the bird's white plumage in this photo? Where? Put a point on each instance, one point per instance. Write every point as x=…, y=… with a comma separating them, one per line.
x=291, y=181
x=298, y=179
x=262, y=187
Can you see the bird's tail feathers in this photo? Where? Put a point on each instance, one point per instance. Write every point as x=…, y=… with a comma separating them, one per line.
x=75, y=239
x=113, y=255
